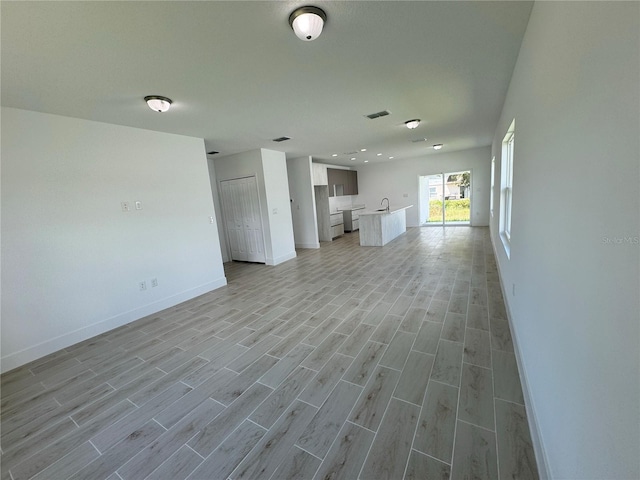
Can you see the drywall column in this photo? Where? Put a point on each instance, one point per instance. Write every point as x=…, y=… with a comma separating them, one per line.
x=303, y=205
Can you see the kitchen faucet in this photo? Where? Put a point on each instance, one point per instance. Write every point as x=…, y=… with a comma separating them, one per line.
x=385, y=198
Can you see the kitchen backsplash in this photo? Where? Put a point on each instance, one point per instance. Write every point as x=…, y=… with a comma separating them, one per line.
x=337, y=203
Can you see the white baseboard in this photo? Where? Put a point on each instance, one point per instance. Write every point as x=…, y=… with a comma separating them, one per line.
x=540, y=452
x=281, y=258
x=308, y=245
x=29, y=354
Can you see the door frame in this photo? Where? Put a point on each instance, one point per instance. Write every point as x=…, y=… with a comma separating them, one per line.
x=224, y=220
x=443, y=223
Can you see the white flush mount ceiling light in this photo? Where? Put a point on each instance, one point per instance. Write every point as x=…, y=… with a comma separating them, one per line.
x=158, y=103
x=437, y=146
x=307, y=22
x=411, y=124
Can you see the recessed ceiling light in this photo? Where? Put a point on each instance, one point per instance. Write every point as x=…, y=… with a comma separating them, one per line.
x=158, y=103
x=437, y=146
x=390, y=158
x=366, y=161
x=363, y=149
x=353, y=158
x=411, y=124
x=334, y=155
x=379, y=155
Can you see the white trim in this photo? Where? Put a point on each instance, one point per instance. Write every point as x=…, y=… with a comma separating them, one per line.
x=40, y=350
x=542, y=460
x=281, y=258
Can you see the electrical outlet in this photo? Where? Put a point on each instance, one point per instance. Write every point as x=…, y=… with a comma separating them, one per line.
x=138, y=205
x=211, y=219
x=154, y=282
x=125, y=206
x=142, y=285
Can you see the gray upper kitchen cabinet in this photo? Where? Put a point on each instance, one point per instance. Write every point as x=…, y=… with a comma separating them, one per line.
x=342, y=182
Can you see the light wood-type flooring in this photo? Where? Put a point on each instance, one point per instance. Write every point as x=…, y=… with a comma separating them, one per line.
x=346, y=362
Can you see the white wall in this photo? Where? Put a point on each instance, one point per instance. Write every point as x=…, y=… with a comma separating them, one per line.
x=270, y=170
x=395, y=179
x=224, y=248
x=71, y=258
x=575, y=261
x=303, y=205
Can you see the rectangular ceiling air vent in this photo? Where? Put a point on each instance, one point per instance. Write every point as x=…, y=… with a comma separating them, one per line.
x=281, y=139
x=383, y=113
x=418, y=140
x=212, y=152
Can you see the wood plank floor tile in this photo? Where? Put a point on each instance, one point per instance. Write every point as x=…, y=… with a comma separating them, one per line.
x=283, y=368
x=298, y=465
x=398, y=350
x=372, y=404
x=354, y=343
x=448, y=363
x=178, y=466
x=516, y=456
x=365, y=363
x=436, y=427
x=226, y=457
x=475, y=453
x=477, y=347
x=279, y=400
x=169, y=442
x=415, y=376
x=476, y=396
x=422, y=466
x=213, y=433
x=506, y=378
x=415, y=338
x=324, y=427
x=347, y=455
x=272, y=449
x=391, y=448
x=428, y=336
x=323, y=383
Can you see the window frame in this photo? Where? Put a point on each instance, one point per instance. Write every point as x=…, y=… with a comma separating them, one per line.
x=506, y=180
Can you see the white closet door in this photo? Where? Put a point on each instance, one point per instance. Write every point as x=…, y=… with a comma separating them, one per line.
x=241, y=210
x=253, y=221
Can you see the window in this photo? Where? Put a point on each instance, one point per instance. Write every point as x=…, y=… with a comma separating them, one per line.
x=493, y=184
x=507, y=185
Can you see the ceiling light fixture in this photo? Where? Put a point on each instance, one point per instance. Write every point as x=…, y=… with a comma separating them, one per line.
x=379, y=154
x=334, y=155
x=366, y=161
x=411, y=124
x=353, y=158
x=158, y=103
x=363, y=149
x=437, y=146
x=307, y=22
x=390, y=158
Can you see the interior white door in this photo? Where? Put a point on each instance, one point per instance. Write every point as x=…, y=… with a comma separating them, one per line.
x=241, y=210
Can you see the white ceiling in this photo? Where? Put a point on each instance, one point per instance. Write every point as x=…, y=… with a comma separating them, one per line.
x=239, y=77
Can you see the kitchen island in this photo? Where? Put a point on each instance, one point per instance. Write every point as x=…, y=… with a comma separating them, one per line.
x=379, y=227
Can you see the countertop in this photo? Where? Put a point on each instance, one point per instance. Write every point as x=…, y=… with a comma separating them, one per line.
x=351, y=208
x=384, y=212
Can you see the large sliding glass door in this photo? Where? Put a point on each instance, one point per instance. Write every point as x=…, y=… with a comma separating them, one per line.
x=445, y=198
